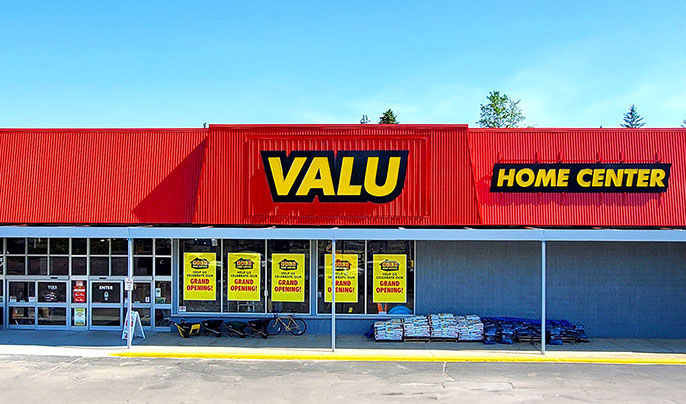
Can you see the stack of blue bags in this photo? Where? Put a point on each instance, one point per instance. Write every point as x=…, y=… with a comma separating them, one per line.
x=508, y=330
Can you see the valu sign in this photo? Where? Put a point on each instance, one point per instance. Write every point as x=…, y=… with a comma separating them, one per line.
x=345, y=176
x=581, y=177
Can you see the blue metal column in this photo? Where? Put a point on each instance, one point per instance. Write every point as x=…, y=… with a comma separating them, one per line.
x=129, y=334
x=333, y=295
x=543, y=287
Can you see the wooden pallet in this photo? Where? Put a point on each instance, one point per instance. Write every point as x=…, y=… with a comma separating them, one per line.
x=434, y=339
x=417, y=339
x=531, y=339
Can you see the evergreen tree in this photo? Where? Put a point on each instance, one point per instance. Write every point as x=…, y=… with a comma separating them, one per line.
x=388, y=117
x=500, y=112
x=632, y=119
x=364, y=120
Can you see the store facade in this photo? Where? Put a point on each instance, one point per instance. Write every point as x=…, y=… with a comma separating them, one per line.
x=238, y=221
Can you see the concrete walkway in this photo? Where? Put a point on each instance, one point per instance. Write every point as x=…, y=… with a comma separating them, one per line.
x=317, y=347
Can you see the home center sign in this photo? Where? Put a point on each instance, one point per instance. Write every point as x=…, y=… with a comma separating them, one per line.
x=581, y=177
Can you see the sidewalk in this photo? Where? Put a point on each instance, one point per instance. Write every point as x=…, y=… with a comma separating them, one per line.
x=349, y=347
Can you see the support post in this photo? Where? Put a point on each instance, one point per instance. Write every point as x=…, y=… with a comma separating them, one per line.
x=333, y=295
x=543, y=287
x=129, y=334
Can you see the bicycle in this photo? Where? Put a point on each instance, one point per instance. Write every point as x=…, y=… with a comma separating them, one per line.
x=295, y=326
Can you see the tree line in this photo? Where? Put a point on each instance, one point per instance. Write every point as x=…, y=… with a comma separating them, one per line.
x=502, y=111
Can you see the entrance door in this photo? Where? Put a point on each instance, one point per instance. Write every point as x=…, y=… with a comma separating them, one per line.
x=106, y=305
x=21, y=304
x=51, y=306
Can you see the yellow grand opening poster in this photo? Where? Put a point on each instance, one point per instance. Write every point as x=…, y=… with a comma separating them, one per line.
x=346, y=278
x=199, y=276
x=288, y=278
x=390, y=278
x=245, y=274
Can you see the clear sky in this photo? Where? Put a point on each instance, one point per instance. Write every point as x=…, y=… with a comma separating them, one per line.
x=181, y=63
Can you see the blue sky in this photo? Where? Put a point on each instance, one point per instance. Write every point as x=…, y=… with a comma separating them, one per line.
x=182, y=63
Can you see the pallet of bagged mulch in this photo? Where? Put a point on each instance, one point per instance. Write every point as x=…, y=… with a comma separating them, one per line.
x=416, y=327
x=443, y=327
x=391, y=330
x=470, y=328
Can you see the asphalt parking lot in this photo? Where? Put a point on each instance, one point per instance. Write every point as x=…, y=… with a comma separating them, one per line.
x=79, y=379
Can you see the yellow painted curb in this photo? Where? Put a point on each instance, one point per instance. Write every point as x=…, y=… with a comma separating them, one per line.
x=334, y=356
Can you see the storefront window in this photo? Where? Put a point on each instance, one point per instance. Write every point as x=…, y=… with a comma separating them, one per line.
x=79, y=317
x=141, y=292
x=16, y=265
x=350, y=261
x=22, y=292
x=200, y=276
x=55, y=316
x=142, y=246
x=16, y=246
x=105, y=317
x=120, y=246
x=390, y=277
x=142, y=266
x=162, y=317
x=59, y=265
x=52, y=292
x=100, y=266
x=106, y=292
x=78, y=292
x=245, y=273
x=120, y=266
x=79, y=246
x=37, y=245
x=144, y=315
x=289, y=276
x=163, y=266
x=59, y=246
x=22, y=316
x=78, y=266
x=99, y=246
x=163, y=246
x=37, y=266
x=163, y=292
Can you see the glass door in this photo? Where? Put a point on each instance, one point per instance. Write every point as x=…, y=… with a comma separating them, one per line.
x=142, y=302
x=21, y=304
x=51, y=305
x=106, y=305
x=79, y=304
x=2, y=298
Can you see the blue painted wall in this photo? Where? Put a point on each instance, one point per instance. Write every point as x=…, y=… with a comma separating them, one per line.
x=483, y=278
x=630, y=290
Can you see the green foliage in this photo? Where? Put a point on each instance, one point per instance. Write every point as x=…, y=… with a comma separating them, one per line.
x=364, y=120
x=632, y=119
x=500, y=112
x=388, y=117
